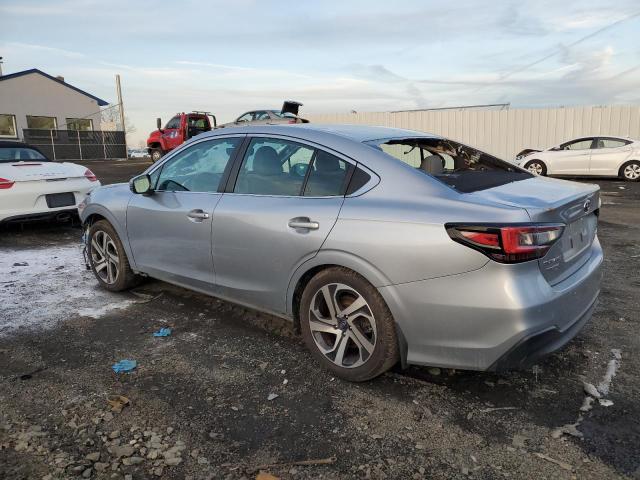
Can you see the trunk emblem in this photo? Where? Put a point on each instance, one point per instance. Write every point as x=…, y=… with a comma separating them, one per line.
x=587, y=205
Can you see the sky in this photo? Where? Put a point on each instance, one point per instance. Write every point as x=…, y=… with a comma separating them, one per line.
x=228, y=57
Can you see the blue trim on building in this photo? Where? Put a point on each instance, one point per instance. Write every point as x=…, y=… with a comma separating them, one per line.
x=101, y=102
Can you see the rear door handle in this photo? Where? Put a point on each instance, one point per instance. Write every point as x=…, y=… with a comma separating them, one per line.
x=303, y=223
x=198, y=215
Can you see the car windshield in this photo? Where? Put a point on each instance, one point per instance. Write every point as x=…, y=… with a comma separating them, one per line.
x=279, y=114
x=459, y=166
x=13, y=154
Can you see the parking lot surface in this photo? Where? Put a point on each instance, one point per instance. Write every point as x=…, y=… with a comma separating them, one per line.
x=232, y=392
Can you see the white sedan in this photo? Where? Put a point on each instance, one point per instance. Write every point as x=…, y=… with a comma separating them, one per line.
x=602, y=156
x=32, y=187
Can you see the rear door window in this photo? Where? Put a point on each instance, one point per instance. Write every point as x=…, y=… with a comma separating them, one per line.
x=327, y=176
x=612, y=143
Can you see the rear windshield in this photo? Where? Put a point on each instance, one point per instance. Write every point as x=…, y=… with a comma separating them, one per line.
x=459, y=166
x=279, y=114
x=13, y=154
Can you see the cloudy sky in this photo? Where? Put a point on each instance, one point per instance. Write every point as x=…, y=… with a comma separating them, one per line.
x=334, y=56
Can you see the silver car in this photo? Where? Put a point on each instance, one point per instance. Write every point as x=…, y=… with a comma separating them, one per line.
x=602, y=156
x=381, y=245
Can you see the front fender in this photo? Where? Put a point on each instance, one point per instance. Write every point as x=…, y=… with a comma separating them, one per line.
x=119, y=225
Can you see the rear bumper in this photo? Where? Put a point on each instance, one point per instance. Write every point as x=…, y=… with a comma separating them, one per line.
x=496, y=317
x=59, y=214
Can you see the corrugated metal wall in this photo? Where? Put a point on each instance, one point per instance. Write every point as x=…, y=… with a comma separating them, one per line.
x=506, y=132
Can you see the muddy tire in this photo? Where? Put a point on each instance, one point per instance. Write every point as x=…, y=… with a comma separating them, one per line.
x=347, y=326
x=156, y=154
x=107, y=258
x=537, y=167
x=630, y=171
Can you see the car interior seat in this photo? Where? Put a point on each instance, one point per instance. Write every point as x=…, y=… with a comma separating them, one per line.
x=433, y=164
x=327, y=176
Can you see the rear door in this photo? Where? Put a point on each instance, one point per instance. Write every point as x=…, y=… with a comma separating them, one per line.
x=608, y=154
x=572, y=158
x=170, y=230
x=275, y=215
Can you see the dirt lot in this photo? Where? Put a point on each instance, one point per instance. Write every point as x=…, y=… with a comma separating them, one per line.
x=199, y=399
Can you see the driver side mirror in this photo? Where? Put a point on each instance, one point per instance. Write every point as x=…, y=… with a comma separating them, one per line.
x=141, y=184
x=159, y=123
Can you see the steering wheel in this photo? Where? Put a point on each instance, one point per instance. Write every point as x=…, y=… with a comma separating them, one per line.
x=299, y=169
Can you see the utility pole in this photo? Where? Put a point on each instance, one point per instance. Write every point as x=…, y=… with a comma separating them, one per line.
x=0, y=66
x=124, y=129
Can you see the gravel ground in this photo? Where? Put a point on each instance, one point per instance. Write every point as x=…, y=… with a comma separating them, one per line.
x=231, y=392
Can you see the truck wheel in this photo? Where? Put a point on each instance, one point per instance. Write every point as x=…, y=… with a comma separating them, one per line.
x=156, y=154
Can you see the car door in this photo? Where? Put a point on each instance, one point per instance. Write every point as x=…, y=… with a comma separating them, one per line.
x=171, y=133
x=572, y=158
x=607, y=156
x=170, y=230
x=275, y=215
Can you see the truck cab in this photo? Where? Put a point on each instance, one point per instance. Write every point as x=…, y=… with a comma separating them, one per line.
x=178, y=130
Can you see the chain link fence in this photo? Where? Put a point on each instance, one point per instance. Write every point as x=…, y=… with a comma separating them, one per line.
x=77, y=144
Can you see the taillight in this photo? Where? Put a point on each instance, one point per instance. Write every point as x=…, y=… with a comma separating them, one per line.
x=5, y=183
x=291, y=121
x=90, y=176
x=508, y=243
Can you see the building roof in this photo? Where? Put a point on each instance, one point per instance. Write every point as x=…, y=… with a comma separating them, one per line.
x=101, y=102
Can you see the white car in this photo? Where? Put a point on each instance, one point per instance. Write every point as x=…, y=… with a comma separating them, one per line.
x=602, y=156
x=32, y=187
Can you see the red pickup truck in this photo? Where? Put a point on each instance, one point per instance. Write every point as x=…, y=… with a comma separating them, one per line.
x=178, y=130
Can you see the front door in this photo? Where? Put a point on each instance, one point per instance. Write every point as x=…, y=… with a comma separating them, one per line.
x=285, y=201
x=172, y=133
x=170, y=230
x=572, y=158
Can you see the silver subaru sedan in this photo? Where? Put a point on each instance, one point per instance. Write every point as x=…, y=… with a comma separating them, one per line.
x=381, y=245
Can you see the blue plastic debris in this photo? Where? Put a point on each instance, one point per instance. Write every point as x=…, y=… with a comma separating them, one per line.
x=124, y=366
x=163, y=332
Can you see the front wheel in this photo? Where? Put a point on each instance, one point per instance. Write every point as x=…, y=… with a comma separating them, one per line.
x=631, y=171
x=156, y=154
x=536, y=167
x=108, y=259
x=347, y=326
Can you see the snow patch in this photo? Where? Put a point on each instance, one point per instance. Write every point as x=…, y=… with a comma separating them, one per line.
x=52, y=287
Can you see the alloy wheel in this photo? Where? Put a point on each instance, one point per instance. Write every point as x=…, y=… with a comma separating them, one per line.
x=632, y=171
x=535, y=168
x=342, y=325
x=104, y=257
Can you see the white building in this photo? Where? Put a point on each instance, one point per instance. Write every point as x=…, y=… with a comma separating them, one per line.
x=34, y=99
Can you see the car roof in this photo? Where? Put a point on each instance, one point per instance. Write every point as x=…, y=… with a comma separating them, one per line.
x=357, y=133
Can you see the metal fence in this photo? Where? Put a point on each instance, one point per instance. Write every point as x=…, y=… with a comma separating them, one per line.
x=77, y=144
x=505, y=132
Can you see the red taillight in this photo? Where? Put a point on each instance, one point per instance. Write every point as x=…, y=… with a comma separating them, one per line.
x=508, y=243
x=5, y=183
x=292, y=121
x=90, y=175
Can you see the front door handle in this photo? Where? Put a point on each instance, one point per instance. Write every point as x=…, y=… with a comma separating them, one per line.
x=198, y=215
x=303, y=223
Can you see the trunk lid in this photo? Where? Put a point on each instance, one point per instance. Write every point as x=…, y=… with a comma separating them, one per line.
x=33, y=170
x=555, y=201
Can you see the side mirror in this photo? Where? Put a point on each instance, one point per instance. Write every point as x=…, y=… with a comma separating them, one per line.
x=159, y=123
x=141, y=184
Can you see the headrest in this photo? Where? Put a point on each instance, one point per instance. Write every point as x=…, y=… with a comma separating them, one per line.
x=266, y=162
x=325, y=162
x=432, y=164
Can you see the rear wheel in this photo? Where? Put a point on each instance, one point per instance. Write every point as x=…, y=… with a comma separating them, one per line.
x=108, y=259
x=631, y=171
x=536, y=167
x=347, y=326
x=156, y=154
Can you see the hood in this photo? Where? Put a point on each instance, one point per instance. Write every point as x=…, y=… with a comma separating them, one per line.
x=31, y=170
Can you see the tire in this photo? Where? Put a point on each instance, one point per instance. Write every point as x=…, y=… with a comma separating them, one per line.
x=116, y=274
x=156, y=154
x=537, y=167
x=326, y=335
x=630, y=171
